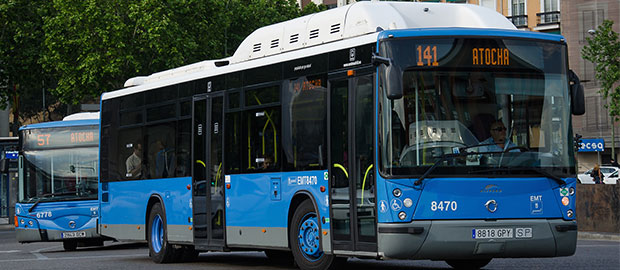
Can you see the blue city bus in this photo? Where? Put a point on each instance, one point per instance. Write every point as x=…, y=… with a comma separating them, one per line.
x=361, y=131
x=58, y=171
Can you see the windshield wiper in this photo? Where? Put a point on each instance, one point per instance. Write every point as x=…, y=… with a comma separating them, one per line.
x=443, y=158
x=46, y=196
x=555, y=178
x=462, y=153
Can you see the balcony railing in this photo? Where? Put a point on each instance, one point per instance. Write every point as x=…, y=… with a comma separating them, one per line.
x=548, y=17
x=518, y=20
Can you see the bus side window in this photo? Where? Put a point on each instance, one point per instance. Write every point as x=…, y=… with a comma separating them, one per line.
x=263, y=137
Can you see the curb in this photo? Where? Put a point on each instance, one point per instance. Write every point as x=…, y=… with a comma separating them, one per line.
x=598, y=236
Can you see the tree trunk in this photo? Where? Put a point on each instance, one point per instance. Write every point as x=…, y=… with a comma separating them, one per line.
x=15, y=109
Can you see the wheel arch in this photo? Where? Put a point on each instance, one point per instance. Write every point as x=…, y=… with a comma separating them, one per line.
x=154, y=199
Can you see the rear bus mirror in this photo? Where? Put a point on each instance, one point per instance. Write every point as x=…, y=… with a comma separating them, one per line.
x=578, y=106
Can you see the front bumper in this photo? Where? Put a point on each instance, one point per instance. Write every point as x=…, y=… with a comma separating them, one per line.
x=452, y=239
x=36, y=235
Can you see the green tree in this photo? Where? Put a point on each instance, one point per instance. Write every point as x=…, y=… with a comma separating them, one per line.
x=603, y=49
x=95, y=45
x=22, y=78
x=312, y=8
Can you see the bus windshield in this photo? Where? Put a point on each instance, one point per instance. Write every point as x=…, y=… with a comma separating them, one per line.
x=496, y=106
x=60, y=164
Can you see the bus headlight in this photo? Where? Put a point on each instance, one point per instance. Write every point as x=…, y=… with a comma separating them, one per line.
x=571, y=191
x=570, y=213
x=397, y=192
x=402, y=215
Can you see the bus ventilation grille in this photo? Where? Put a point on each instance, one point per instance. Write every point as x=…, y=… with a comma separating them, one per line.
x=314, y=33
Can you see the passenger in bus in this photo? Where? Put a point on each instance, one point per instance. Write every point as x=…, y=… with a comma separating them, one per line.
x=267, y=163
x=164, y=160
x=497, y=142
x=134, y=163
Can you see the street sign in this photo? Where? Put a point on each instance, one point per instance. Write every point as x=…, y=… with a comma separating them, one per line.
x=11, y=154
x=592, y=145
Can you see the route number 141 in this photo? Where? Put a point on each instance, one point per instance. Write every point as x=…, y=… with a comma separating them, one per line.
x=427, y=56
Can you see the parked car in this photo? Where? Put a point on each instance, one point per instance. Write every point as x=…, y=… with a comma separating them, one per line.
x=610, y=174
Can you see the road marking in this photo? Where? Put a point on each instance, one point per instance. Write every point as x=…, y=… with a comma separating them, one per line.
x=9, y=251
x=37, y=253
x=74, y=258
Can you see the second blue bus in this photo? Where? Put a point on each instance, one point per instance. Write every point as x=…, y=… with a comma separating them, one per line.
x=58, y=170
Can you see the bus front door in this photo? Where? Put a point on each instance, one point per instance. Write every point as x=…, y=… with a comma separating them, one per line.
x=207, y=177
x=352, y=186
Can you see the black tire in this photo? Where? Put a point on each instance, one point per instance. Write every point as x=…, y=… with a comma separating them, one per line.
x=280, y=257
x=468, y=264
x=69, y=245
x=160, y=250
x=188, y=254
x=319, y=261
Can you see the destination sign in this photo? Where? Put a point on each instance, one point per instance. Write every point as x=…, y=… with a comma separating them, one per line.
x=490, y=57
x=60, y=137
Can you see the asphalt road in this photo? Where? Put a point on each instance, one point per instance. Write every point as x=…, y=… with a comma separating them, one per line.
x=591, y=254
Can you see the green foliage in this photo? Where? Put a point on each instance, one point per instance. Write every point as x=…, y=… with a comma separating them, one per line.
x=603, y=49
x=78, y=49
x=312, y=8
x=22, y=78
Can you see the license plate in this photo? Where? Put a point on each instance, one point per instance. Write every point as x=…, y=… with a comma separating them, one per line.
x=492, y=233
x=523, y=232
x=77, y=234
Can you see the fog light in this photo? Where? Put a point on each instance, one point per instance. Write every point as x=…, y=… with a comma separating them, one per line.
x=571, y=191
x=397, y=192
x=30, y=223
x=565, y=201
x=22, y=222
x=570, y=213
x=402, y=215
x=407, y=202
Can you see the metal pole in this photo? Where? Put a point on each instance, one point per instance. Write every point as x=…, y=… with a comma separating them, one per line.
x=613, y=138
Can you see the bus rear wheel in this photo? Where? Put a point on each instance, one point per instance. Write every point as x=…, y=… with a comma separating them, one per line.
x=304, y=239
x=160, y=250
x=468, y=264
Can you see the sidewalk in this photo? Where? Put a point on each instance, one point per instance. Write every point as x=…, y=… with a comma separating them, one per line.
x=598, y=236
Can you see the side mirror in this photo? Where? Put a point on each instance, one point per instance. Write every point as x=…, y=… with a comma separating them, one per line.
x=392, y=74
x=578, y=106
x=4, y=165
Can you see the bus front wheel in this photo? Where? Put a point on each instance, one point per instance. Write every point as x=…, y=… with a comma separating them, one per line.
x=69, y=245
x=304, y=239
x=160, y=250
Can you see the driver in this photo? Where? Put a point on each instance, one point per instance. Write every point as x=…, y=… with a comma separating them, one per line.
x=497, y=142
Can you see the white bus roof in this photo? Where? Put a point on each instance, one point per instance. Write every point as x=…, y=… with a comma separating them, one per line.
x=82, y=116
x=345, y=26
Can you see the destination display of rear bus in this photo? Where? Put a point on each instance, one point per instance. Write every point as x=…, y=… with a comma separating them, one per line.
x=385, y=130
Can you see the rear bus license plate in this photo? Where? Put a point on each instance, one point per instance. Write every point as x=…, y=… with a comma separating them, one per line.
x=77, y=234
x=492, y=233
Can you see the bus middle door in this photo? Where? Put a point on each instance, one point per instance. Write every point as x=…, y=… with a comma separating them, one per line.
x=207, y=168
